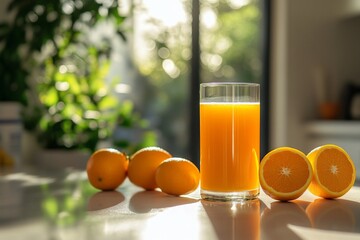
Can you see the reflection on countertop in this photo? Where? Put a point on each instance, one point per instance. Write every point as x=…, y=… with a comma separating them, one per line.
x=63, y=205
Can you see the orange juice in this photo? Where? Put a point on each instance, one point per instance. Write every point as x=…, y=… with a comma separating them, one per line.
x=229, y=146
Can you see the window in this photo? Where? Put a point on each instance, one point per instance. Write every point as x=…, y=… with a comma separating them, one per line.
x=175, y=51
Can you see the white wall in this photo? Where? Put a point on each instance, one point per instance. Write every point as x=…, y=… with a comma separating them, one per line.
x=307, y=36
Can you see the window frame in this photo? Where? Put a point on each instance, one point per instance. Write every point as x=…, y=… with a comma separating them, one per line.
x=195, y=77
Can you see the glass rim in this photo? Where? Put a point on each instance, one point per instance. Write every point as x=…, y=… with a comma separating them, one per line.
x=210, y=84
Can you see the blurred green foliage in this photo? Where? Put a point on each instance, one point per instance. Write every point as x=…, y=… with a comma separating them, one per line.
x=79, y=108
x=70, y=103
x=135, y=132
x=230, y=51
x=40, y=22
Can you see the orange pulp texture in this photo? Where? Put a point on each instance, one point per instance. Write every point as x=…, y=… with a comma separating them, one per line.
x=334, y=171
x=285, y=173
x=229, y=146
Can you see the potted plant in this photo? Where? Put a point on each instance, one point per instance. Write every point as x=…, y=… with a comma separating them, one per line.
x=71, y=106
x=78, y=108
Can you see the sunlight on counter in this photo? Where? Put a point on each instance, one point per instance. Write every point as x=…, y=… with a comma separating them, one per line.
x=174, y=223
x=41, y=206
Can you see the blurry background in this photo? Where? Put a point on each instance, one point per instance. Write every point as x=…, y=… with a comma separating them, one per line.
x=315, y=75
x=126, y=74
x=108, y=73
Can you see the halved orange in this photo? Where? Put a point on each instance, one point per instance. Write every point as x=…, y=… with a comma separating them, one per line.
x=285, y=173
x=334, y=171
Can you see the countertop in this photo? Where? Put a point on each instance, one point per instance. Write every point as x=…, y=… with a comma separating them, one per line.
x=62, y=205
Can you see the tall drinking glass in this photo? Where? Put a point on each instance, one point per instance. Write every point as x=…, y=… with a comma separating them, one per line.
x=229, y=141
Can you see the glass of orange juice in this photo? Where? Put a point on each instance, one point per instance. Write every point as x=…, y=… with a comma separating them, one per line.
x=229, y=141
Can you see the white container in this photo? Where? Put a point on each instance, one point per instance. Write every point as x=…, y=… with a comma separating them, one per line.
x=11, y=130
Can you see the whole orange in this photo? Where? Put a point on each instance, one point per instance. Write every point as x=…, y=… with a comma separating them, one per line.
x=177, y=176
x=106, y=168
x=143, y=165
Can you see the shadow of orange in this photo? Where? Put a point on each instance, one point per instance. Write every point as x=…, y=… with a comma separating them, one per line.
x=276, y=219
x=102, y=200
x=335, y=214
x=146, y=201
x=234, y=220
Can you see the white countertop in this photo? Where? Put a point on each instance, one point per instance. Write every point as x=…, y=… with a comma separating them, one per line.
x=63, y=206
